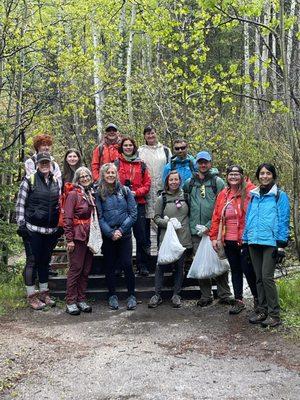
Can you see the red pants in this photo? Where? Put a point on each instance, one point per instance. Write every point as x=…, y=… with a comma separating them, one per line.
x=80, y=266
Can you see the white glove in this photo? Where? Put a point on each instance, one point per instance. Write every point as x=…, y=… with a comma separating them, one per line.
x=200, y=230
x=166, y=218
x=177, y=225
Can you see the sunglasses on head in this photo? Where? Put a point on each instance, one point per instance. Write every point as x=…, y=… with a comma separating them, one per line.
x=180, y=148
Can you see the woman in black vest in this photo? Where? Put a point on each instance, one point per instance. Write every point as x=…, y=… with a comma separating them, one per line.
x=37, y=218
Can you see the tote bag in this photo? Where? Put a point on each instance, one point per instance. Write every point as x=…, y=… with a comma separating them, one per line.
x=95, y=237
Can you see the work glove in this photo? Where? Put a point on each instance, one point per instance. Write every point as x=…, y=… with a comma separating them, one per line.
x=166, y=218
x=177, y=225
x=22, y=231
x=200, y=230
x=279, y=255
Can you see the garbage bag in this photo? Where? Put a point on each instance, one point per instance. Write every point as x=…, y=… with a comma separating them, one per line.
x=207, y=264
x=171, y=249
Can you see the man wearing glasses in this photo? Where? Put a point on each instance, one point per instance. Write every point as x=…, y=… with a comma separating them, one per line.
x=182, y=162
x=203, y=189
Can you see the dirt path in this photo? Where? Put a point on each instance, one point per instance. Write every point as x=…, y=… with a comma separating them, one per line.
x=190, y=353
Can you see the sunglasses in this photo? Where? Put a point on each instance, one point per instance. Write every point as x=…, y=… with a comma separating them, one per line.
x=180, y=148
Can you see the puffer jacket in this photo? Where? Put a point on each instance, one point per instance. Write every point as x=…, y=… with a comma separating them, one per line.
x=139, y=178
x=267, y=218
x=117, y=211
x=173, y=211
x=202, y=206
x=185, y=168
x=224, y=198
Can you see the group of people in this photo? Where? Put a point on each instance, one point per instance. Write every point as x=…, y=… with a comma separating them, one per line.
x=130, y=186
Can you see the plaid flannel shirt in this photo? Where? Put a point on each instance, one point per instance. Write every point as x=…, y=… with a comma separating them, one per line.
x=20, y=211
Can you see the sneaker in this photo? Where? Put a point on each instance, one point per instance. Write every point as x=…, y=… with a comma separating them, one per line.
x=84, y=307
x=204, y=302
x=131, y=303
x=227, y=300
x=144, y=271
x=258, y=318
x=45, y=298
x=35, y=302
x=113, y=302
x=271, y=322
x=155, y=301
x=176, y=301
x=237, y=307
x=72, y=309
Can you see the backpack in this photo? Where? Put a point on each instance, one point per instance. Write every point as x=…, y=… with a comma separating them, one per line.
x=68, y=187
x=165, y=201
x=213, y=185
x=167, y=154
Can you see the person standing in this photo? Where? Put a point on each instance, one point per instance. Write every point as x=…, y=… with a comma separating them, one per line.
x=228, y=223
x=37, y=211
x=118, y=212
x=79, y=206
x=134, y=174
x=266, y=233
x=156, y=156
x=107, y=151
x=203, y=189
x=181, y=161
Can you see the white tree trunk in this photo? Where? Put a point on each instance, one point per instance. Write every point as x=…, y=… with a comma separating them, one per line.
x=122, y=23
x=246, y=65
x=265, y=51
x=289, y=47
x=129, y=66
x=256, y=74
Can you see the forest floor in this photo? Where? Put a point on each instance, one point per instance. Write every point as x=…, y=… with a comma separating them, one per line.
x=165, y=353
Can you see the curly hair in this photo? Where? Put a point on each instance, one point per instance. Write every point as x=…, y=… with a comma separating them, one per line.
x=41, y=140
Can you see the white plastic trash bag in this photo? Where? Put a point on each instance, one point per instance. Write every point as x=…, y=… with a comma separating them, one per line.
x=206, y=263
x=171, y=249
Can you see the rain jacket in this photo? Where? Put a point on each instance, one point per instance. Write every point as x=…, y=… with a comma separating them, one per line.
x=185, y=168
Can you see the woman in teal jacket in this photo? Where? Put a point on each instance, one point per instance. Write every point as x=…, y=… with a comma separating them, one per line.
x=266, y=233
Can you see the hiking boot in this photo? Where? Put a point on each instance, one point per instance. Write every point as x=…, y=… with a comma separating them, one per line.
x=45, y=298
x=271, y=322
x=143, y=271
x=51, y=272
x=131, y=303
x=155, y=301
x=113, y=302
x=255, y=305
x=204, y=302
x=237, y=307
x=258, y=318
x=176, y=301
x=227, y=300
x=84, y=307
x=35, y=302
x=72, y=309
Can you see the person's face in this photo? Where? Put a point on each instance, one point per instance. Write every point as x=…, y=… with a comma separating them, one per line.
x=151, y=138
x=174, y=182
x=203, y=165
x=127, y=148
x=265, y=177
x=44, y=148
x=180, y=149
x=72, y=159
x=234, y=178
x=111, y=134
x=110, y=176
x=85, y=179
x=44, y=167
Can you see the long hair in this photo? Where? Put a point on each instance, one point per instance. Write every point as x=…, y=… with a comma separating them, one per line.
x=269, y=167
x=104, y=189
x=242, y=188
x=173, y=172
x=68, y=172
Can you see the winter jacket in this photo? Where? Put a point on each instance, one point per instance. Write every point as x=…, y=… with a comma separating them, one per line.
x=224, y=198
x=77, y=214
x=184, y=167
x=267, y=218
x=109, y=153
x=155, y=159
x=117, y=211
x=136, y=173
x=173, y=211
x=202, y=201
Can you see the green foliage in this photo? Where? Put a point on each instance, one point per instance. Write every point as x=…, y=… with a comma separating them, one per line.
x=289, y=295
x=12, y=288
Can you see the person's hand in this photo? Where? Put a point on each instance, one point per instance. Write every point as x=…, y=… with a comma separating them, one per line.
x=166, y=218
x=117, y=235
x=177, y=225
x=215, y=245
x=70, y=247
x=22, y=231
x=133, y=193
x=201, y=230
x=279, y=255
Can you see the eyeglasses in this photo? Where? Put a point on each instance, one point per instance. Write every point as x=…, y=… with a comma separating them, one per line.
x=233, y=174
x=180, y=148
x=84, y=177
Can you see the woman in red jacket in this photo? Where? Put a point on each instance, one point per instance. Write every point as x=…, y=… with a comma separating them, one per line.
x=134, y=174
x=228, y=222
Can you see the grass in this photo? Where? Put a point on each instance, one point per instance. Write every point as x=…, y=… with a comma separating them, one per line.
x=289, y=295
x=12, y=290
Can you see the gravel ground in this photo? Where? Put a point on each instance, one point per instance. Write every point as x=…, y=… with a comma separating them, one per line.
x=187, y=353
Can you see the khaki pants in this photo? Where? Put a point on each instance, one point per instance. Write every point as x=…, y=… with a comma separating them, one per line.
x=223, y=289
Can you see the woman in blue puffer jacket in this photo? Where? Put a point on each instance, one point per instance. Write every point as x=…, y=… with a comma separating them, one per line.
x=266, y=233
x=118, y=212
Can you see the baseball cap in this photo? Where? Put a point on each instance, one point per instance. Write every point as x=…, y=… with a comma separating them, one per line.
x=111, y=126
x=43, y=157
x=203, y=155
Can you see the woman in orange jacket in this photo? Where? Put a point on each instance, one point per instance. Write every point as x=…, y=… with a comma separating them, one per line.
x=228, y=223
